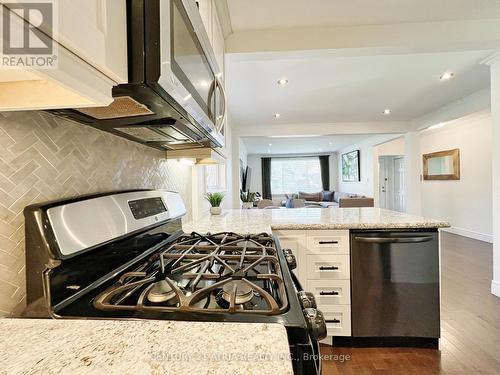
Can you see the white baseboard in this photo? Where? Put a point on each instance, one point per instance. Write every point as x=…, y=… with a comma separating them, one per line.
x=469, y=233
x=495, y=288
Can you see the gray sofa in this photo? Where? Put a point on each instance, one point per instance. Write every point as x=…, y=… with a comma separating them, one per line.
x=326, y=199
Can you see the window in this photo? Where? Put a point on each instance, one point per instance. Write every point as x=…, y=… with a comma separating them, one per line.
x=215, y=177
x=291, y=175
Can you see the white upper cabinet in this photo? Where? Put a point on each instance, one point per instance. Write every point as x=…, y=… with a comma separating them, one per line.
x=218, y=41
x=90, y=37
x=96, y=31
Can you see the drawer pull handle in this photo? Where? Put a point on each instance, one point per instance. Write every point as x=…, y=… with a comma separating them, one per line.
x=328, y=268
x=332, y=321
x=328, y=242
x=331, y=293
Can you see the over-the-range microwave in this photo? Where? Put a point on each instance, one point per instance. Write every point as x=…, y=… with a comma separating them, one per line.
x=174, y=99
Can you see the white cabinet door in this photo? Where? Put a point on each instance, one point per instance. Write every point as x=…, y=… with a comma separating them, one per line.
x=295, y=240
x=96, y=31
x=74, y=83
x=328, y=241
x=328, y=267
x=338, y=319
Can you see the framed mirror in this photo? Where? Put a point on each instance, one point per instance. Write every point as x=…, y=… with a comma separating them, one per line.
x=442, y=165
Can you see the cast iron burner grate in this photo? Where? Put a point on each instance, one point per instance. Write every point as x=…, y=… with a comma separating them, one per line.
x=213, y=273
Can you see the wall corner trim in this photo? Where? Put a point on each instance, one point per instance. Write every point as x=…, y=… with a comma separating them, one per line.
x=495, y=288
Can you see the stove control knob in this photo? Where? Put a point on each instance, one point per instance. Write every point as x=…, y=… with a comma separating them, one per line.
x=315, y=323
x=307, y=300
x=290, y=259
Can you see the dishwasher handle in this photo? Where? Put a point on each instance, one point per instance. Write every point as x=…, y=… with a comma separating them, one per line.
x=394, y=239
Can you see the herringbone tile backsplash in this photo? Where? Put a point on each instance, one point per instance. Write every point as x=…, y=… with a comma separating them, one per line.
x=43, y=158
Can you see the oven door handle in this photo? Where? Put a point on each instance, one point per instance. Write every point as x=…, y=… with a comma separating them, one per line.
x=296, y=282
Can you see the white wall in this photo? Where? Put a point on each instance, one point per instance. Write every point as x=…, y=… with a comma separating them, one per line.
x=466, y=203
x=368, y=165
x=396, y=147
x=365, y=185
x=200, y=205
x=334, y=172
x=254, y=163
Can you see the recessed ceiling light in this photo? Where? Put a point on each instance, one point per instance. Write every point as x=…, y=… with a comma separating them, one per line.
x=447, y=76
x=330, y=143
x=387, y=111
x=277, y=115
x=270, y=144
x=268, y=151
x=282, y=82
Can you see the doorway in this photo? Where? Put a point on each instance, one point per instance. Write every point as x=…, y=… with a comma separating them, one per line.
x=391, y=182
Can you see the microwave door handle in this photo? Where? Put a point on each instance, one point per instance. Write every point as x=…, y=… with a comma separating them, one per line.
x=219, y=124
x=211, y=96
x=394, y=239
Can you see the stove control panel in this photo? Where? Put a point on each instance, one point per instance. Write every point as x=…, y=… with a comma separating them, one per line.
x=142, y=208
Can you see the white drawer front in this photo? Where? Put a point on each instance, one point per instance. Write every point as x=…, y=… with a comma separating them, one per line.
x=328, y=267
x=330, y=292
x=328, y=242
x=338, y=320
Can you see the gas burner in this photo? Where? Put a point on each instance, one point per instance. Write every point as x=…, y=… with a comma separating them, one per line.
x=160, y=292
x=241, y=290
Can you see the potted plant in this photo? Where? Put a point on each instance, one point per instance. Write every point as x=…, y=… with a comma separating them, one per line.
x=247, y=198
x=215, y=199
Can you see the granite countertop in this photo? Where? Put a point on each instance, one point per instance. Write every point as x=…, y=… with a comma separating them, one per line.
x=50, y=346
x=257, y=221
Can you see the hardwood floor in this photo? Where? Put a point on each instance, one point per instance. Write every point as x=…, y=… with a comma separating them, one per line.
x=470, y=323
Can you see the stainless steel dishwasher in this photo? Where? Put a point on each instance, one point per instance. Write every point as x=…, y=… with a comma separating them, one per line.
x=395, y=287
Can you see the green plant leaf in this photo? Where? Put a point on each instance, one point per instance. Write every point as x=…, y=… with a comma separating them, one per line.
x=215, y=199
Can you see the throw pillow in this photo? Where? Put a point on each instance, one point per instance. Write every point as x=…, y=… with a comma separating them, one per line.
x=327, y=196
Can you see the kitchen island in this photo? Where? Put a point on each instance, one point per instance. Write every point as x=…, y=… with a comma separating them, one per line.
x=141, y=347
x=374, y=273
x=257, y=221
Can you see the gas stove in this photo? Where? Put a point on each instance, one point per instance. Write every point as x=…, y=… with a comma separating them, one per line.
x=124, y=256
x=223, y=272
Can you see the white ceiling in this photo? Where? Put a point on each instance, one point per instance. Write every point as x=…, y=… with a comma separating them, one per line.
x=300, y=145
x=326, y=89
x=267, y=14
